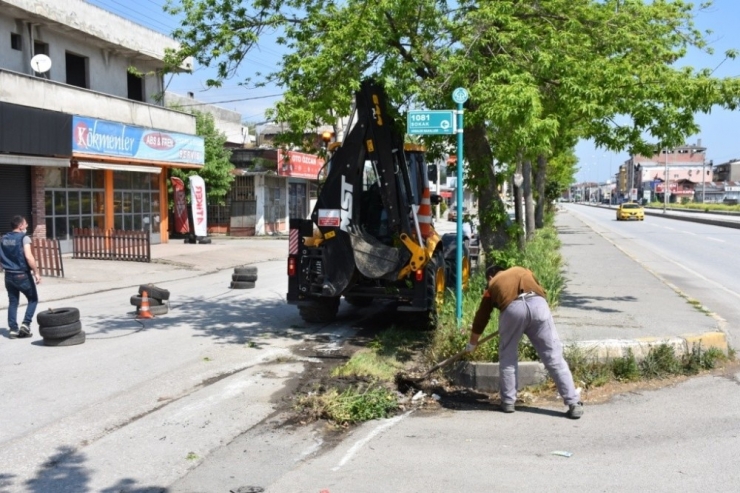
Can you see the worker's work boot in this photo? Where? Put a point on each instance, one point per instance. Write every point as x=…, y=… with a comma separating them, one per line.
x=507, y=407
x=575, y=411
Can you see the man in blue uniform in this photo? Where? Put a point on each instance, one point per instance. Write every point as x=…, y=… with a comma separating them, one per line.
x=21, y=275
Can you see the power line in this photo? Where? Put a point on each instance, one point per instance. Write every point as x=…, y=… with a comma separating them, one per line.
x=234, y=100
x=129, y=15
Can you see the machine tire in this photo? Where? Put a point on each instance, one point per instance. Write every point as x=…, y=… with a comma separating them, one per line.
x=60, y=331
x=320, y=311
x=154, y=292
x=242, y=284
x=74, y=340
x=156, y=310
x=55, y=318
x=359, y=301
x=136, y=301
x=249, y=270
x=244, y=277
x=436, y=283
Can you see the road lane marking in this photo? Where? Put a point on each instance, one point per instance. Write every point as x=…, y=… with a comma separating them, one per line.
x=715, y=239
x=357, y=446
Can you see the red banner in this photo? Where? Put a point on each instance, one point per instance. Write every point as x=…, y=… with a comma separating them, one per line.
x=299, y=165
x=181, y=206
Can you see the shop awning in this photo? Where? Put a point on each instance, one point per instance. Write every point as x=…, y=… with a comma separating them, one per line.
x=49, y=162
x=119, y=167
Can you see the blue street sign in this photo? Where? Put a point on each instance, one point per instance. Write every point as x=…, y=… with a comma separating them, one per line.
x=431, y=122
x=460, y=95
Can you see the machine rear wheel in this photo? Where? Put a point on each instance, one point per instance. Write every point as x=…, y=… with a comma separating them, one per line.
x=436, y=280
x=319, y=311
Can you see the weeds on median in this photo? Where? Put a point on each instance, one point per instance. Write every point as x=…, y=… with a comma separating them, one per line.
x=662, y=361
x=353, y=405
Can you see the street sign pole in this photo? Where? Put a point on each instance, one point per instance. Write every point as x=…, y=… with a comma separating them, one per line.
x=459, y=95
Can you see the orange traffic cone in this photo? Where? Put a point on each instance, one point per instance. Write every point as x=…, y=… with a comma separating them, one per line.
x=425, y=214
x=143, y=311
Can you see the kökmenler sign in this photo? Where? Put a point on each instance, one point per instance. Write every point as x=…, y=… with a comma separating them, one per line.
x=106, y=138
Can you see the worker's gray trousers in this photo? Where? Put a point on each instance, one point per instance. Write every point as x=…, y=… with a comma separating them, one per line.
x=532, y=316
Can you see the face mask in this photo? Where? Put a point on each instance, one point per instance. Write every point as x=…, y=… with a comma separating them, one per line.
x=24, y=230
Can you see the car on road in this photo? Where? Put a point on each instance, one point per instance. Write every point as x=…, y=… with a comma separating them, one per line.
x=630, y=211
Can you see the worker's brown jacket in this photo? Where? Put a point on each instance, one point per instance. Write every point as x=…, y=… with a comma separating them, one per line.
x=504, y=288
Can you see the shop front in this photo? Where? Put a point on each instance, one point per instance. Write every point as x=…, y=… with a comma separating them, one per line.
x=302, y=171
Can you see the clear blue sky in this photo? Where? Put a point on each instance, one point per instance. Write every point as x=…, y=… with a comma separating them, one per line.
x=719, y=130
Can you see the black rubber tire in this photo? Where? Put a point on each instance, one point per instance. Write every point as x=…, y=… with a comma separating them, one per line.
x=319, y=311
x=249, y=270
x=61, y=331
x=244, y=277
x=359, y=301
x=157, y=310
x=242, y=285
x=154, y=292
x=136, y=301
x=433, y=306
x=74, y=340
x=58, y=316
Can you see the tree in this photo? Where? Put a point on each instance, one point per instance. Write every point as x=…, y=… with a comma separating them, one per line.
x=540, y=73
x=216, y=172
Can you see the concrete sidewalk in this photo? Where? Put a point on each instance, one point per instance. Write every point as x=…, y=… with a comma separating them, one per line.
x=611, y=302
x=170, y=261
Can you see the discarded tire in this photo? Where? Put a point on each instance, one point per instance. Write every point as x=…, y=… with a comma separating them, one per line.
x=156, y=310
x=244, y=277
x=249, y=270
x=74, y=340
x=136, y=300
x=242, y=285
x=61, y=331
x=59, y=316
x=154, y=292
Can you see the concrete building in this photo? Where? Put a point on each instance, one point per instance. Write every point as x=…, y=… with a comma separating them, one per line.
x=226, y=121
x=729, y=171
x=84, y=141
x=686, y=165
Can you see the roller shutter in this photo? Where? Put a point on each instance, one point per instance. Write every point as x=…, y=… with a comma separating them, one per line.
x=15, y=195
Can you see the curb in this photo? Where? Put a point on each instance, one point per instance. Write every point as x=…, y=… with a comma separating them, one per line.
x=609, y=349
x=485, y=377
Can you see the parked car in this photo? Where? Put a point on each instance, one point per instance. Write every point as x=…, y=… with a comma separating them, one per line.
x=630, y=211
x=452, y=213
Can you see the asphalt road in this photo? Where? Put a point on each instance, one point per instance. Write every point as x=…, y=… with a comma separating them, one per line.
x=700, y=260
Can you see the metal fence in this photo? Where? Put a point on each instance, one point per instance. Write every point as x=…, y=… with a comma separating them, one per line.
x=48, y=257
x=132, y=246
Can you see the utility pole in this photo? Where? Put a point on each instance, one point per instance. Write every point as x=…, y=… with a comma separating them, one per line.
x=665, y=181
x=439, y=189
x=703, y=179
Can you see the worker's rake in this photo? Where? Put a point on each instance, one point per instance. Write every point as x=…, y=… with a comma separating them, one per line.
x=405, y=382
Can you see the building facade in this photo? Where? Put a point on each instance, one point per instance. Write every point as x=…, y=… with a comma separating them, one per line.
x=84, y=141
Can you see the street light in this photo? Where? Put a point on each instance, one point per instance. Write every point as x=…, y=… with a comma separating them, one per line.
x=665, y=181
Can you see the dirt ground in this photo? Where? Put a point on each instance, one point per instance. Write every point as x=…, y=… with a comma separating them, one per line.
x=439, y=395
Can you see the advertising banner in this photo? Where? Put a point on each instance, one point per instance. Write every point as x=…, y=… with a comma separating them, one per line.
x=181, y=206
x=198, y=203
x=105, y=138
x=299, y=165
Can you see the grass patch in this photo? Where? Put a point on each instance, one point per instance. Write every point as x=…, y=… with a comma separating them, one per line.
x=662, y=361
x=353, y=405
x=697, y=206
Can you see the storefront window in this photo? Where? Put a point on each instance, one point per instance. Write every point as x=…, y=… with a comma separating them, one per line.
x=71, y=197
x=136, y=204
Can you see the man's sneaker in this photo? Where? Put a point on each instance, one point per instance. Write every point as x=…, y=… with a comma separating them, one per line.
x=24, y=331
x=13, y=333
x=507, y=408
x=575, y=411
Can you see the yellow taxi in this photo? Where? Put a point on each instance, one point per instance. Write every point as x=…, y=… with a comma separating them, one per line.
x=630, y=211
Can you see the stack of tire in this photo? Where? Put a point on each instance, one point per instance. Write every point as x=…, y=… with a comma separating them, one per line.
x=158, y=299
x=244, y=277
x=61, y=327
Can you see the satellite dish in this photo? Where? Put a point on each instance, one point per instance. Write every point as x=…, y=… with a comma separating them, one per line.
x=41, y=63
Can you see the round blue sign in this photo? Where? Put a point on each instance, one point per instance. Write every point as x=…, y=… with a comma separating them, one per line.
x=460, y=95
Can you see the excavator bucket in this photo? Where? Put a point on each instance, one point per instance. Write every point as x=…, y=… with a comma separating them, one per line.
x=372, y=258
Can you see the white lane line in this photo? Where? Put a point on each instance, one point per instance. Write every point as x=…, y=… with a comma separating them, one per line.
x=357, y=446
x=666, y=227
x=715, y=239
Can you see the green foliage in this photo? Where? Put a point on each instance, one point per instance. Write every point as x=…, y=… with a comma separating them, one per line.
x=369, y=364
x=660, y=362
x=216, y=171
x=352, y=405
x=626, y=369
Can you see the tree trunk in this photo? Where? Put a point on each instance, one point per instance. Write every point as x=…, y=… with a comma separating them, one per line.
x=491, y=210
x=518, y=217
x=528, y=199
x=539, y=184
